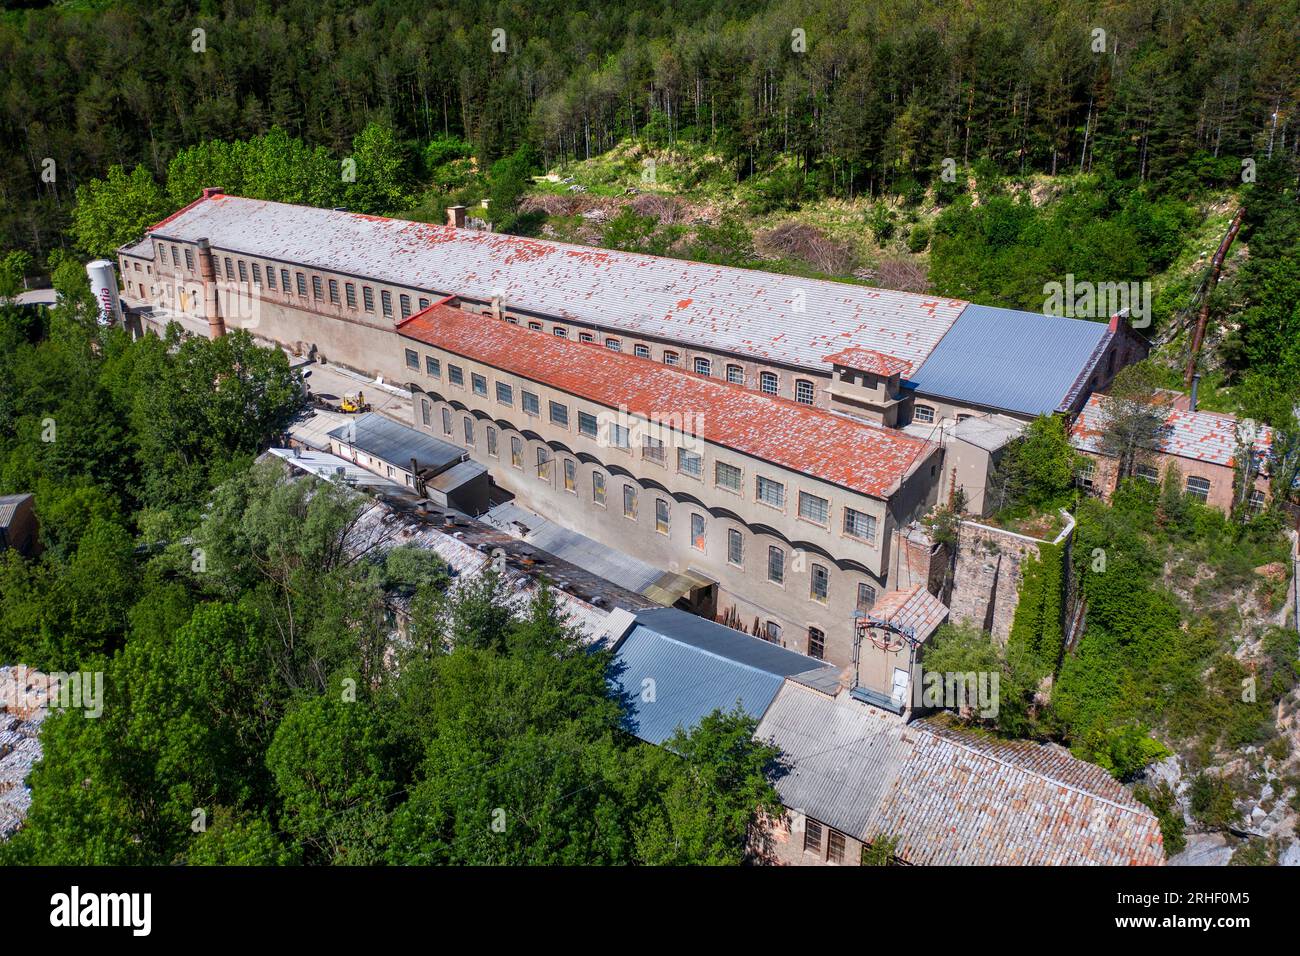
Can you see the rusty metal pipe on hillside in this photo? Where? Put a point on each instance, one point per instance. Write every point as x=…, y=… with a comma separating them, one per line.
x=1216, y=266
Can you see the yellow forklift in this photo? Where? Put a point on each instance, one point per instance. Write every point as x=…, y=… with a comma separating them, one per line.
x=354, y=404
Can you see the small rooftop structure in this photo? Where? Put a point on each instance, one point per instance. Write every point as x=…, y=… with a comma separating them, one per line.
x=1211, y=437
x=915, y=610
x=395, y=443
x=696, y=666
x=950, y=796
x=866, y=458
x=869, y=360
x=1016, y=361
x=330, y=467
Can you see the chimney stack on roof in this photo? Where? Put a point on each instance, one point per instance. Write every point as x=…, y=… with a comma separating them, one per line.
x=210, y=191
x=456, y=216
x=211, y=304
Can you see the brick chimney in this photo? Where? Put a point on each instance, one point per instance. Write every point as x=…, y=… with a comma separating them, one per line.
x=210, y=191
x=456, y=216
x=211, y=301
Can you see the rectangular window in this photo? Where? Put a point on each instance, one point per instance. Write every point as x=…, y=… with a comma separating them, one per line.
x=670, y=357
x=270, y=278
x=530, y=403
x=816, y=643
x=432, y=367
x=735, y=547
x=257, y=273
x=629, y=502
x=776, y=565
x=1198, y=488
x=517, y=451
x=175, y=260
x=772, y=632
x=386, y=301
x=736, y=374
x=505, y=394
x=923, y=414
x=768, y=383
x=587, y=424
x=641, y=351
x=334, y=291
x=803, y=391
x=189, y=260
x=770, y=492
x=491, y=440
x=859, y=525
x=368, y=298
x=302, y=284
x=814, y=509
x=1083, y=475
x=703, y=366
x=653, y=449
x=821, y=583
x=404, y=302
x=426, y=411
x=412, y=359
x=598, y=488
x=689, y=463
x=1258, y=499
x=317, y=290
x=559, y=414
x=866, y=597
x=697, y=531
x=614, y=345
x=424, y=303
x=230, y=268
x=284, y=281
x=456, y=375
x=350, y=293
x=560, y=332
x=661, y=515
x=835, y=846
x=812, y=836
x=727, y=476
x=446, y=421
x=570, y=475
x=586, y=337
x=618, y=436
x=544, y=462
x=1149, y=473
x=478, y=383
x=243, y=271
x=469, y=430
x=535, y=326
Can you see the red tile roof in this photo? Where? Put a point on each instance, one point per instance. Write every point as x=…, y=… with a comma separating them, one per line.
x=1211, y=437
x=865, y=458
x=869, y=360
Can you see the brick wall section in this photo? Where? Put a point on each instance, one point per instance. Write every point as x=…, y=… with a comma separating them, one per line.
x=986, y=582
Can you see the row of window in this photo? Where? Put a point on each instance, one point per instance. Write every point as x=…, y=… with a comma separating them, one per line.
x=1196, y=486
x=819, y=575
x=815, y=836
x=768, y=382
x=813, y=508
x=321, y=289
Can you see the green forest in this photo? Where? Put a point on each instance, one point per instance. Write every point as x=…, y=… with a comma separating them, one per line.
x=973, y=150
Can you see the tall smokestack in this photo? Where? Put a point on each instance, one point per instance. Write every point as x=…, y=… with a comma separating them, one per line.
x=211, y=302
x=1196, y=386
x=456, y=216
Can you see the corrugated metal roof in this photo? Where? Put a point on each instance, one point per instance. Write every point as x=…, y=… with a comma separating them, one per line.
x=1018, y=361
x=784, y=319
x=951, y=796
x=9, y=505
x=1211, y=437
x=696, y=666
x=395, y=443
x=864, y=457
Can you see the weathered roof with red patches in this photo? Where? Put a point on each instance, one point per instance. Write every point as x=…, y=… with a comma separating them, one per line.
x=1211, y=437
x=784, y=319
x=869, y=360
x=914, y=608
x=866, y=458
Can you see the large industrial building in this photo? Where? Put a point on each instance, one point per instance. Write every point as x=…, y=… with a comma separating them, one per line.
x=771, y=440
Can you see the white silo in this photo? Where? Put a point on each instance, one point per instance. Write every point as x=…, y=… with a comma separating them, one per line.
x=103, y=284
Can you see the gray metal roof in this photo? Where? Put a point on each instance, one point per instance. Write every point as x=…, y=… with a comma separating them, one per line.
x=1017, y=361
x=696, y=667
x=9, y=507
x=785, y=319
x=397, y=444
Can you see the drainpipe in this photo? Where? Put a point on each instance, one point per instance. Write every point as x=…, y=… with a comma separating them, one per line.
x=211, y=304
